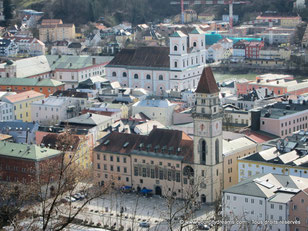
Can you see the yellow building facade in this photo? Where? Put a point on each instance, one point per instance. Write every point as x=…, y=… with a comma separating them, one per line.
x=59, y=32
x=22, y=104
x=232, y=151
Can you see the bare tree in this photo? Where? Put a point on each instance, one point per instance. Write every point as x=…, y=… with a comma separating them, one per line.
x=42, y=205
x=180, y=212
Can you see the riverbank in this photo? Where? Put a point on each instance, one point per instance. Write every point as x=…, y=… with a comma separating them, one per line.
x=251, y=73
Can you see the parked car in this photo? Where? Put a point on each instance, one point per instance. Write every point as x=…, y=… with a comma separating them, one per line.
x=79, y=196
x=203, y=227
x=144, y=225
x=69, y=199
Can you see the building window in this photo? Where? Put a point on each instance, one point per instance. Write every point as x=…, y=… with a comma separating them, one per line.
x=118, y=169
x=175, y=64
x=161, y=77
x=175, y=48
x=202, y=151
x=178, y=177
x=114, y=74
x=136, y=76
x=124, y=74
x=217, y=151
x=111, y=158
x=136, y=171
x=118, y=159
x=194, y=44
x=124, y=160
x=98, y=166
x=148, y=76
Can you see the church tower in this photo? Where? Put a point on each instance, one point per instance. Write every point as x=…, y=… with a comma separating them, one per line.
x=207, y=117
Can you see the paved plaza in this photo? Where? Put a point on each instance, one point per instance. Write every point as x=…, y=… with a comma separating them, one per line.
x=129, y=210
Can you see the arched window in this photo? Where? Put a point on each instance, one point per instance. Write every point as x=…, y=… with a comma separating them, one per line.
x=161, y=77
x=195, y=44
x=114, y=74
x=124, y=74
x=202, y=151
x=175, y=48
x=175, y=64
x=217, y=151
x=188, y=171
x=136, y=76
x=183, y=63
x=148, y=77
x=183, y=48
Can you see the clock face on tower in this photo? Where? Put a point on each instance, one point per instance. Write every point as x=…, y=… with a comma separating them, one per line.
x=202, y=129
x=217, y=126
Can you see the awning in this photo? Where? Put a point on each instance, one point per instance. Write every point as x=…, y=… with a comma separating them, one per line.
x=145, y=190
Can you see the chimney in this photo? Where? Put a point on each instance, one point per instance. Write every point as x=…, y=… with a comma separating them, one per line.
x=93, y=61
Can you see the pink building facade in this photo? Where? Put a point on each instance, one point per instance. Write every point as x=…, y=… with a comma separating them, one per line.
x=279, y=87
x=298, y=211
x=284, y=119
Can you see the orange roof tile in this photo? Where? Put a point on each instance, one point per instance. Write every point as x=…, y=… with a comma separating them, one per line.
x=23, y=96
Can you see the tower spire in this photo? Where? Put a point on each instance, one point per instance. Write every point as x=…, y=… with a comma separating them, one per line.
x=207, y=83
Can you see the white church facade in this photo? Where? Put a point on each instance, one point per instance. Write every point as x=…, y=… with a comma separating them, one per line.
x=158, y=69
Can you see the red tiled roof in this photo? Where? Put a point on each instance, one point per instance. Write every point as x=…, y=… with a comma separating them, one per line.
x=114, y=143
x=105, y=113
x=54, y=141
x=257, y=137
x=170, y=142
x=207, y=83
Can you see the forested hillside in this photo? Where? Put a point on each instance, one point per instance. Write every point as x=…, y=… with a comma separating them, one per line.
x=139, y=11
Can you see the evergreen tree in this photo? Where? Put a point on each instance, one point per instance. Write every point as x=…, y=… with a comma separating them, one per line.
x=7, y=10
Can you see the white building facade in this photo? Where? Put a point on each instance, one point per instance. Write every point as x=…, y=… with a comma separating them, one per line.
x=158, y=69
x=159, y=110
x=261, y=202
x=6, y=111
x=53, y=110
